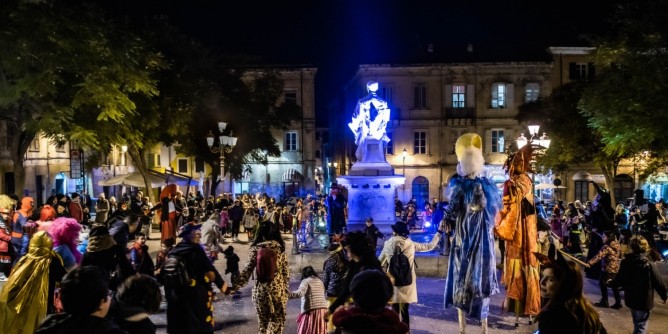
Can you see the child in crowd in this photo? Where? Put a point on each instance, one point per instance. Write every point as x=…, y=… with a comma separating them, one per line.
x=139, y=257
x=372, y=233
x=166, y=246
x=224, y=220
x=232, y=263
x=314, y=304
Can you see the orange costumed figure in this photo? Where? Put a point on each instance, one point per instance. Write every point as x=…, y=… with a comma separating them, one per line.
x=168, y=213
x=517, y=225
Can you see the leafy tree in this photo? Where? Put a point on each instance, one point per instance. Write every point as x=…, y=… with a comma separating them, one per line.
x=64, y=65
x=574, y=141
x=628, y=102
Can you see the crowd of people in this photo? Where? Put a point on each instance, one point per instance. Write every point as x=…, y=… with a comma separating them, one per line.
x=57, y=282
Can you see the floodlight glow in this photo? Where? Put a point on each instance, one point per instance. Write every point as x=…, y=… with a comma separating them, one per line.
x=427, y=224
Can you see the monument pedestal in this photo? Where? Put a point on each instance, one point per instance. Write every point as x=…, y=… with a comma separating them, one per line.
x=371, y=194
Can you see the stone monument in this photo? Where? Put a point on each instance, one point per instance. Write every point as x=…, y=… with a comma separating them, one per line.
x=371, y=182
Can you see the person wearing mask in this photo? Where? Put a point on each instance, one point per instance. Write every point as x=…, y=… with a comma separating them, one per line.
x=86, y=299
x=190, y=307
x=639, y=278
x=20, y=219
x=65, y=233
x=27, y=297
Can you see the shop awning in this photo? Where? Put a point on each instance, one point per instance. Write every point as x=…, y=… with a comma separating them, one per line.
x=292, y=175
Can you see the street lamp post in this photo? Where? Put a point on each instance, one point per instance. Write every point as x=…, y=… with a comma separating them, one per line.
x=225, y=145
x=539, y=144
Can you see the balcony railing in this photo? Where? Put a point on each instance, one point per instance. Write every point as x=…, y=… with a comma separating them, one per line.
x=460, y=116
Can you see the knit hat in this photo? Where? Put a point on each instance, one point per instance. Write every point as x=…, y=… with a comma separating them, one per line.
x=98, y=231
x=371, y=290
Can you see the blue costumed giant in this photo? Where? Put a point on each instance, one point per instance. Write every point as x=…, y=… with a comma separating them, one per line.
x=474, y=203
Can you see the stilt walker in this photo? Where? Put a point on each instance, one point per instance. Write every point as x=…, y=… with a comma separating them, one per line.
x=474, y=203
x=517, y=225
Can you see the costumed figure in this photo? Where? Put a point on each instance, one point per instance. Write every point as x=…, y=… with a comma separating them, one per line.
x=27, y=297
x=20, y=219
x=370, y=118
x=602, y=219
x=65, y=233
x=170, y=210
x=474, y=203
x=517, y=225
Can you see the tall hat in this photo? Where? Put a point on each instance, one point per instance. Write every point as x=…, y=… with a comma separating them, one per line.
x=465, y=142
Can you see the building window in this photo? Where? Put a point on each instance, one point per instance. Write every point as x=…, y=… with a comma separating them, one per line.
x=34, y=146
x=580, y=71
x=199, y=165
x=582, y=191
x=420, y=142
x=317, y=154
x=498, y=141
x=290, y=96
x=458, y=96
x=389, y=147
x=153, y=160
x=532, y=91
x=420, y=97
x=499, y=96
x=290, y=141
x=386, y=94
x=182, y=166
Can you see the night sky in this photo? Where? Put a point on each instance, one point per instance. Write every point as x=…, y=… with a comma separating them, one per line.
x=336, y=36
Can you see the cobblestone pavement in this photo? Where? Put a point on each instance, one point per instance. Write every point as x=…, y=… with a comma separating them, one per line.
x=237, y=315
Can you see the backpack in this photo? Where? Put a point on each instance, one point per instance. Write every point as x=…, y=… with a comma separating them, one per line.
x=266, y=268
x=400, y=268
x=174, y=273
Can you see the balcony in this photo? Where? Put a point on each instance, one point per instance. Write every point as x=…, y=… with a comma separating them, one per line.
x=460, y=116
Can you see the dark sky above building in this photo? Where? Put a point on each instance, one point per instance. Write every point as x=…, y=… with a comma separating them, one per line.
x=336, y=36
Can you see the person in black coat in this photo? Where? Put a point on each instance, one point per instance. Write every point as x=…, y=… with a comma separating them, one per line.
x=84, y=293
x=103, y=252
x=362, y=257
x=137, y=297
x=236, y=213
x=336, y=205
x=372, y=232
x=640, y=278
x=122, y=229
x=188, y=307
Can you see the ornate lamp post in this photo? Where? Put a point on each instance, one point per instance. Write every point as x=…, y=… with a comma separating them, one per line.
x=225, y=145
x=540, y=144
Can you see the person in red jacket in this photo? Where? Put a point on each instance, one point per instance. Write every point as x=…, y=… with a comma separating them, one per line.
x=76, y=211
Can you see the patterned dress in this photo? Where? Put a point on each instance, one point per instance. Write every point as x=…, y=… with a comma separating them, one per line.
x=471, y=279
x=270, y=299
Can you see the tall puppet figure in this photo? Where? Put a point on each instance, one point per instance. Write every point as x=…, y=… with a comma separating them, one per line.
x=474, y=202
x=517, y=225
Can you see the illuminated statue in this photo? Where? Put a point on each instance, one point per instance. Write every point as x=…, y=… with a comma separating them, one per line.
x=370, y=118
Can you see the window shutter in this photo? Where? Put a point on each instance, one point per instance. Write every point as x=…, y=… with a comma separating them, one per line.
x=510, y=96
x=488, y=141
x=448, y=96
x=591, y=70
x=150, y=160
x=470, y=96
x=416, y=97
x=572, y=71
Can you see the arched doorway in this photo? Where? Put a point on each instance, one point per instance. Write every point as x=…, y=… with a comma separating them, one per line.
x=420, y=191
x=623, y=187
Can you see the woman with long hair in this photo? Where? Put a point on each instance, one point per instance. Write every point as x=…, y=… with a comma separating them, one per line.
x=270, y=293
x=567, y=309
